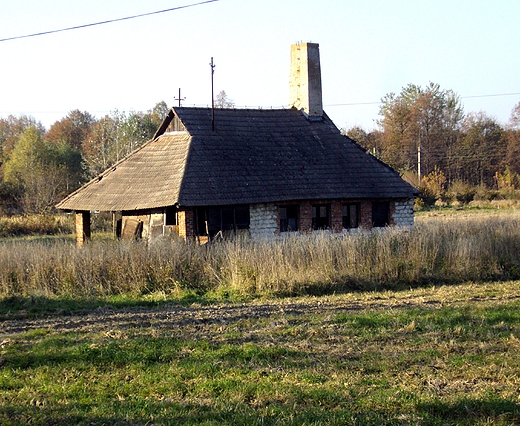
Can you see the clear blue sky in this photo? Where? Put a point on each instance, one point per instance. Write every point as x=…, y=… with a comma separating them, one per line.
x=368, y=49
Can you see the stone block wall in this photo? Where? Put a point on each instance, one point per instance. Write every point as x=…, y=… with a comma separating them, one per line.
x=263, y=220
x=402, y=214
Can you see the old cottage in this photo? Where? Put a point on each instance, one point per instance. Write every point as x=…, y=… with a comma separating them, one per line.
x=259, y=172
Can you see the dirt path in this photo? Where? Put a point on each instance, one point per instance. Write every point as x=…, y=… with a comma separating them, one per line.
x=173, y=316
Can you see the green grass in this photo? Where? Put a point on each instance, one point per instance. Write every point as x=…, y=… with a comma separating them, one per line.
x=434, y=356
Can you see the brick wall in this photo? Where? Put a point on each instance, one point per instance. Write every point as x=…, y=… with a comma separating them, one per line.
x=186, y=223
x=82, y=227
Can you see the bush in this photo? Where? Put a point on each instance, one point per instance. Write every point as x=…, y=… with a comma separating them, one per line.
x=35, y=225
x=462, y=192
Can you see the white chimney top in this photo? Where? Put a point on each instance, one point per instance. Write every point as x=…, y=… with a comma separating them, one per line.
x=305, y=80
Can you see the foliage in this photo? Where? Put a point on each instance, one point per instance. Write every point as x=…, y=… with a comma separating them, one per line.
x=35, y=225
x=73, y=130
x=515, y=117
x=43, y=171
x=116, y=135
x=436, y=356
x=462, y=192
x=11, y=129
x=482, y=150
x=433, y=186
x=429, y=123
x=417, y=118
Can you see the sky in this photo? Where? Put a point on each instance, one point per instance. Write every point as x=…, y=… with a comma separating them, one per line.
x=368, y=49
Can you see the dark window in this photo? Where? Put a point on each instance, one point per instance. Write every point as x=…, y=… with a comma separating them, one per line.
x=351, y=215
x=380, y=214
x=242, y=216
x=227, y=218
x=201, y=221
x=321, y=216
x=211, y=220
x=171, y=215
x=288, y=218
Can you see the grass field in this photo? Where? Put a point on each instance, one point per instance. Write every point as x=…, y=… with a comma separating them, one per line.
x=447, y=355
x=407, y=327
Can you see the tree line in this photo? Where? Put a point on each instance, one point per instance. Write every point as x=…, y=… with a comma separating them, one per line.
x=421, y=132
x=425, y=134
x=39, y=167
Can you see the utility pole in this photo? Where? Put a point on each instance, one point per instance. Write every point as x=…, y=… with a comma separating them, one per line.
x=419, y=161
x=212, y=95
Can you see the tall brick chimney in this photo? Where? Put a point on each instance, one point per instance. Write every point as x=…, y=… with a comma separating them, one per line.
x=305, y=80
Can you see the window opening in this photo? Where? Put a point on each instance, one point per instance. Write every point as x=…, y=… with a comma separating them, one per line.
x=380, y=214
x=289, y=218
x=171, y=216
x=212, y=220
x=351, y=215
x=321, y=216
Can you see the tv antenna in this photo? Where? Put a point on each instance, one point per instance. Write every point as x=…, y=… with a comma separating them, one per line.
x=179, y=98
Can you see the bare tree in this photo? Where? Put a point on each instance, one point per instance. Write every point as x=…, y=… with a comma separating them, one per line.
x=222, y=100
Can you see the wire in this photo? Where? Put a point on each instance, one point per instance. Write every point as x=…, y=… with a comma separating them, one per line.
x=461, y=97
x=107, y=22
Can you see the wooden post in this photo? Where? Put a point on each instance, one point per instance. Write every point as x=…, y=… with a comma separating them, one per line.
x=82, y=227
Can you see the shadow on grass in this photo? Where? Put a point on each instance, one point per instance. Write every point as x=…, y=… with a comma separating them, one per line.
x=21, y=307
x=472, y=411
x=165, y=412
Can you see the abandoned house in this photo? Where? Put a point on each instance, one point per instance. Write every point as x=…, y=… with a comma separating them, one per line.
x=260, y=172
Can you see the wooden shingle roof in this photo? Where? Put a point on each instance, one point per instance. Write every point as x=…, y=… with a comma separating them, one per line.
x=251, y=156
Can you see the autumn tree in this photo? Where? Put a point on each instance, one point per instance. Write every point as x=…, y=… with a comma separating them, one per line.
x=420, y=120
x=481, y=150
x=370, y=141
x=74, y=129
x=512, y=137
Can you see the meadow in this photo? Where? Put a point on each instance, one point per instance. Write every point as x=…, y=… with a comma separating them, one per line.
x=438, y=250
x=402, y=327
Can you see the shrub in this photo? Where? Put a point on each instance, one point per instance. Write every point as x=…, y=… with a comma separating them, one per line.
x=462, y=192
x=35, y=225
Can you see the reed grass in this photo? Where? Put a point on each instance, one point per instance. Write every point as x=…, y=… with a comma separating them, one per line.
x=438, y=249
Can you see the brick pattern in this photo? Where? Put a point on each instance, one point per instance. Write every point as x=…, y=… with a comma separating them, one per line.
x=186, y=223
x=82, y=227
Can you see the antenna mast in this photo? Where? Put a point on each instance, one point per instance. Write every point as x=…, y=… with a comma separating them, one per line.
x=212, y=96
x=179, y=98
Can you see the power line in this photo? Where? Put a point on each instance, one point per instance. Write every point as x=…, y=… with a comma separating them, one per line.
x=107, y=22
x=461, y=97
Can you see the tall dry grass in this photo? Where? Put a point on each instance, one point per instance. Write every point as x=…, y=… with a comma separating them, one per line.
x=437, y=250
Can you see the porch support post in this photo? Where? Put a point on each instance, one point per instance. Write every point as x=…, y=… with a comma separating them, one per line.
x=82, y=227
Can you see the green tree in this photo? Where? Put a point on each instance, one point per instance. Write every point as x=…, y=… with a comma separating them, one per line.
x=42, y=172
x=10, y=130
x=425, y=120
